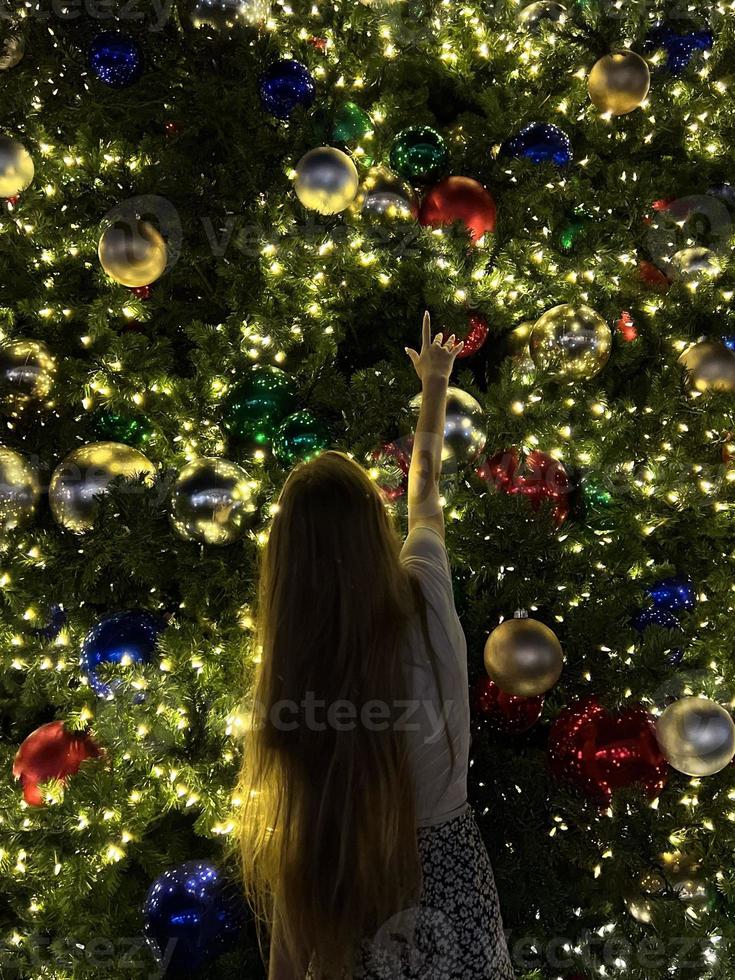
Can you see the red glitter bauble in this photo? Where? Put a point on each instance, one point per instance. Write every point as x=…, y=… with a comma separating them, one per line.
x=392, y=457
x=318, y=43
x=141, y=292
x=506, y=713
x=626, y=327
x=477, y=331
x=51, y=752
x=172, y=128
x=598, y=752
x=538, y=477
x=459, y=199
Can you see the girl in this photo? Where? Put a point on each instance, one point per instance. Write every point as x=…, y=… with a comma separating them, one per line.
x=360, y=852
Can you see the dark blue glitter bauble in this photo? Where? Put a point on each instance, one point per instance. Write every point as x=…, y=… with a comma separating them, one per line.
x=56, y=622
x=729, y=342
x=116, y=59
x=540, y=143
x=663, y=619
x=673, y=594
x=679, y=47
x=128, y=637
x=192, y=914
x=286, y=85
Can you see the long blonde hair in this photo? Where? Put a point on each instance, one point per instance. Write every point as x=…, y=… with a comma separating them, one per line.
x=328, y=830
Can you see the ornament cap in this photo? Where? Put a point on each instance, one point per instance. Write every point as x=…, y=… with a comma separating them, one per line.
x=520, y=614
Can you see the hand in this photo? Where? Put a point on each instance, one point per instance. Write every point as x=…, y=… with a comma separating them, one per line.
x=437, y=357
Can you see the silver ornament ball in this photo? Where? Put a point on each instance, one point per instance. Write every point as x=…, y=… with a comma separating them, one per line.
x=212, y=501
x=19, y=490
x=326, y=180
x=85, y=474
x=465, y=429
x=571, y=342
x=696, y=736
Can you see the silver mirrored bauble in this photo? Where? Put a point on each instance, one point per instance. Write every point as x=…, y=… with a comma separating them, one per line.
x=544, y=10
x=696, y=736
x=86, y=473
x=27, y=370
x=571, y=342
x=710, y=366
x=212, y=501
x=696, y=264
x=385, y=197
x=223, y=15
x=16, y=167
x=465, y=430
x=326, y=180
x=19, y=490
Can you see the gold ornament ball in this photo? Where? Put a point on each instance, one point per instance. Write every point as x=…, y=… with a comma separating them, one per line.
x=696, y=736
x=523, y=657
x=19, y=490
x=571, y=342
x=212, y=501
x=385, y=197
x=696, y=264
x=326, y=180
x=710, y=366
x=12, y=49
x=518, y=345
x=86, y=473
x=543, y=11
x=16, y=167
x=133, y=253
x=619, y=82
x=684, y=873
x=27, y=370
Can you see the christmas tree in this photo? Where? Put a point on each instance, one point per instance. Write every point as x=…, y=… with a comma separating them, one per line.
x=222, y=222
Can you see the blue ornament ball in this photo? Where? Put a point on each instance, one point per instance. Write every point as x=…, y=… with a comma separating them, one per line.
x=680, y=47
x=54, y=625
x=673, y=594
x=125, y=638
x=116, y=59
x=192, y=914
x=665, y=620
x=540, y=143
x=286, y=85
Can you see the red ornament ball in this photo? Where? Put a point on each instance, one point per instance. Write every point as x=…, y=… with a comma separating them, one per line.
x=51, y=752
x=506, y=713
x=626, y=327
x=598, y=752
x=459, y=199
x=477, y=332
x=141, y=292
x=538, y=477
x=653, y=277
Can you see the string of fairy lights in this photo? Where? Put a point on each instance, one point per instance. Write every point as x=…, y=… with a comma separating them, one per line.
x=331, y=260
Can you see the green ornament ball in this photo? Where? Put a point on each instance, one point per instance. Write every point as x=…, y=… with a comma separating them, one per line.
x=419, y=153
x=351, y=123
x=300, y=438
x=258, y=404
x=111, y=426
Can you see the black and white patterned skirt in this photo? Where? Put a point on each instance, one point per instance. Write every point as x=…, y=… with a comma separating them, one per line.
x=456, y=932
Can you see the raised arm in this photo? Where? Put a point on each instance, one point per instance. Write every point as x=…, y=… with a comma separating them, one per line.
x=433, y=366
